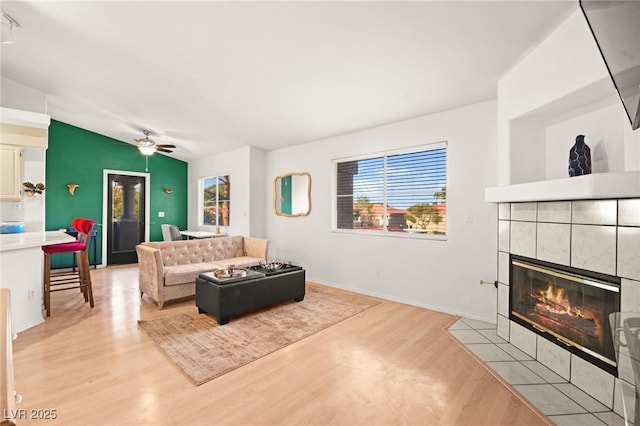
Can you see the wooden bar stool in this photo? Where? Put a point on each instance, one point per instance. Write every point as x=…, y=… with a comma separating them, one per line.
x=70, y=280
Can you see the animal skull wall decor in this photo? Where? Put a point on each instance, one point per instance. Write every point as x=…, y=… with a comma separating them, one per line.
x=72, y=187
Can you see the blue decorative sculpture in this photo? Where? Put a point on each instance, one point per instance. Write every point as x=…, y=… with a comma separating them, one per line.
x=579, y=158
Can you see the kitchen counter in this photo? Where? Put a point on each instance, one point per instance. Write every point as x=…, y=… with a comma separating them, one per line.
x=21, y=271
x=32, y=239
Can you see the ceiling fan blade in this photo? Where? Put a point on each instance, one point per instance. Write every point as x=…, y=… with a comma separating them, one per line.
x=160, y=149
x=164, y=145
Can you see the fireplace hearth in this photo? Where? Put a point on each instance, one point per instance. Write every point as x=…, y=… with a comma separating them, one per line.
x=567, y=306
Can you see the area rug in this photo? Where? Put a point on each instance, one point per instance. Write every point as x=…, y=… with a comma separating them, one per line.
x=204, y=350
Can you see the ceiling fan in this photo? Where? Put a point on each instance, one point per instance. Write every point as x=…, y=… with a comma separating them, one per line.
x=147, y=146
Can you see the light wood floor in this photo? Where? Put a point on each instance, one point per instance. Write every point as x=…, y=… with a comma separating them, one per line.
x=392, y=364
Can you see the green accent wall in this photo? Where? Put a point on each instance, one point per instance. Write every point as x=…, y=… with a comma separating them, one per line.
x=79, y=156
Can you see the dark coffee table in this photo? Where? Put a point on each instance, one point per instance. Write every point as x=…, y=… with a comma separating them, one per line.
x=224, y=297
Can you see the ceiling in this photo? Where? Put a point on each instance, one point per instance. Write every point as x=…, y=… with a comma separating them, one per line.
x=213, y=76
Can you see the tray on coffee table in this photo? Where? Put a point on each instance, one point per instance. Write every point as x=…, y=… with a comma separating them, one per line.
x=236, y=276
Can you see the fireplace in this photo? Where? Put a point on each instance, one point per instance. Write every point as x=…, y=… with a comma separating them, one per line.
x=567, y=306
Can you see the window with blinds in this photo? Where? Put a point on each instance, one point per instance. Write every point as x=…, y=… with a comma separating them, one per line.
x=400, y=192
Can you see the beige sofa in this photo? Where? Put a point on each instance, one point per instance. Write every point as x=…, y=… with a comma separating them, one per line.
x=168, y=269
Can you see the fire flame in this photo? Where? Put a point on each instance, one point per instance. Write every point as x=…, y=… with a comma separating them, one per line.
x=556, y=300
x=552, y=308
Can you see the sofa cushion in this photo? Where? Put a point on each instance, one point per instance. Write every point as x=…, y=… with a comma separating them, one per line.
x=178, y=252
x=197, y=251
x=182, y=274
x=228, y=247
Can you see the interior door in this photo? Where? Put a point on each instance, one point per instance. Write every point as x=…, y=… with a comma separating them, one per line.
x=126, y=217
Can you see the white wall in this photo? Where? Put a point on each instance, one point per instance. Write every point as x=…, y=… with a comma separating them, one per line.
x=441, y=275
x=34, y=161
x=527, y=155
x=631, y=148
x=563, y=63
x=246, y=169
x=257, y=195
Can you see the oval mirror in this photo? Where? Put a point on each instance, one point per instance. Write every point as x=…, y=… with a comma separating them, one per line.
x=292, y=194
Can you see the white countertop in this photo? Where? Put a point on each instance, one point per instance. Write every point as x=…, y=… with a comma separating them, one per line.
x=32, y=239
x=588, y=187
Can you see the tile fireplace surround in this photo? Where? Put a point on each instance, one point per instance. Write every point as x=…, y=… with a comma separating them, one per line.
x=596, y=235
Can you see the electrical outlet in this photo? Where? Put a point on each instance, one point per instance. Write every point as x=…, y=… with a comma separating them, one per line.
x=377, y=274
x=160, y=214
x=31, y=294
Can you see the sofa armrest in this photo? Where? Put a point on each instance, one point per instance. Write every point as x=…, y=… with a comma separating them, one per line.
x=256, y=247
x=150, y=271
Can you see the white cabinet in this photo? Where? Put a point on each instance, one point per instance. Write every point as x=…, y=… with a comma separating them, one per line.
x=10, y=173
x=18, y=129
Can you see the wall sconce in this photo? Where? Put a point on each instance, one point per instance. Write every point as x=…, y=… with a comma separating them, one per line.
x=72, y=187
x=168, y=190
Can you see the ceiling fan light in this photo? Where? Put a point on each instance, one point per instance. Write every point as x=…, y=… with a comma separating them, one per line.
x=147, y=150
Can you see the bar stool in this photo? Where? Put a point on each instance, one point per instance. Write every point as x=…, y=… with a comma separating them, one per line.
x=70, y=280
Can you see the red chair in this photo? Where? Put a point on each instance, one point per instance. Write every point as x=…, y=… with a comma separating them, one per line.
x=70, y=280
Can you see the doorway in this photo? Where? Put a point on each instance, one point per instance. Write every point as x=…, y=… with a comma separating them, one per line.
x=126, y=207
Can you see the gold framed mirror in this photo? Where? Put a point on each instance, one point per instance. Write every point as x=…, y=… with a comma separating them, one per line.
x=292, y=194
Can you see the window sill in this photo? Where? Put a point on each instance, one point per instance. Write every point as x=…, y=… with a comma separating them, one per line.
x=407, y=235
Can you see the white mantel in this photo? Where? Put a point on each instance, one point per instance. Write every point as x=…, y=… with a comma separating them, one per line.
x=588, y=187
